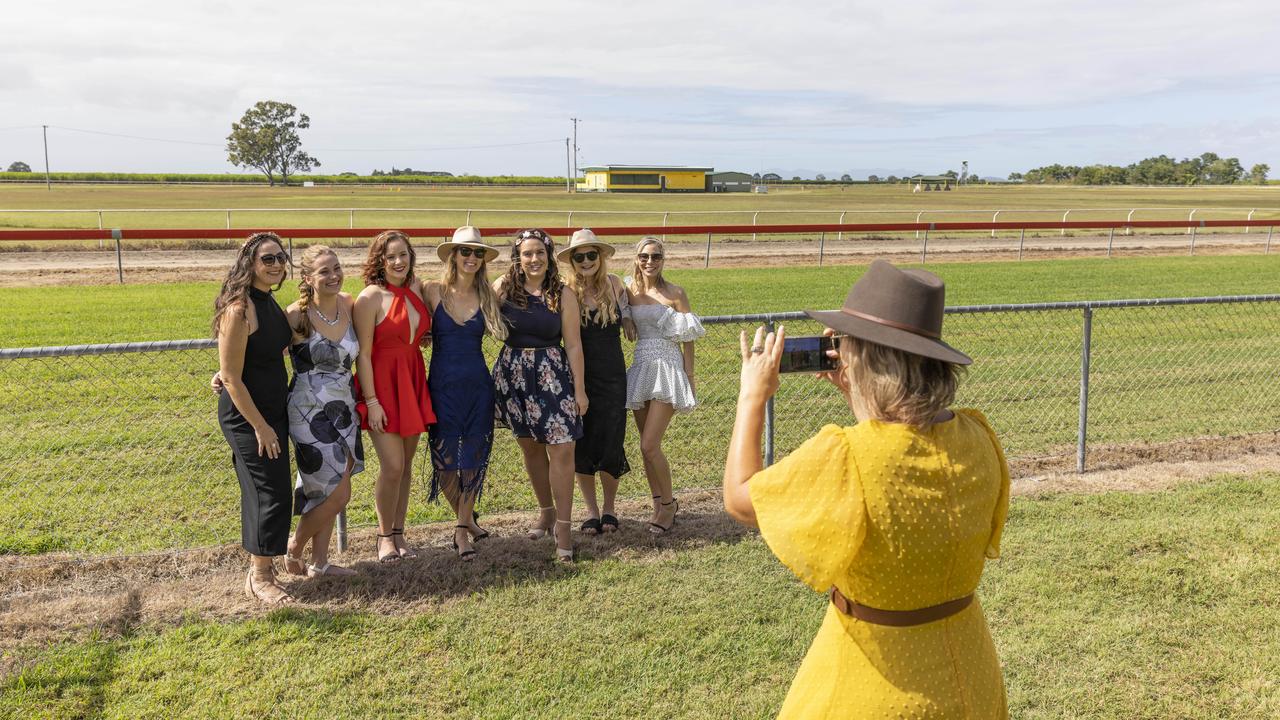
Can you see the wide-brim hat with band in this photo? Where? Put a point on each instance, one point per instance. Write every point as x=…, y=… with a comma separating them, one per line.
x=466, y=236
x=584, y=238
x=899, y=308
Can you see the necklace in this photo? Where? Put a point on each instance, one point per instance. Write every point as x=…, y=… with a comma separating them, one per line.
x=336, y=316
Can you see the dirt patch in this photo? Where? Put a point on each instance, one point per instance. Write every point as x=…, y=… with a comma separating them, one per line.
x=99, y=267
x=68, y=597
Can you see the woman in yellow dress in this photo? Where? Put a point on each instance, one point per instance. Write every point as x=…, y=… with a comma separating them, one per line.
x=893, y=517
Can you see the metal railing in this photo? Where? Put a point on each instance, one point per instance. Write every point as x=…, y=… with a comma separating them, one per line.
x=115, y=449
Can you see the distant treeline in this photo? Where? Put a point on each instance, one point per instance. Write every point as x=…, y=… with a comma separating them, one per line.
x=343, y=179
x=1208, y=169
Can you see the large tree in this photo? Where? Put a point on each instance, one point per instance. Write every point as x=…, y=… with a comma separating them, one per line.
x=266, y=138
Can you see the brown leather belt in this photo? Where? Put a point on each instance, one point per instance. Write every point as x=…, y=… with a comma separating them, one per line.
x=898, y=618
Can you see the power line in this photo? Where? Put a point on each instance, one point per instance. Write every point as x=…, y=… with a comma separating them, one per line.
x=321, y=149
x=135, y=137
x=20, y=127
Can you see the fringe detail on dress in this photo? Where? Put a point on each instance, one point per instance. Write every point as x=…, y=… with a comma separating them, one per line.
x=470, y=480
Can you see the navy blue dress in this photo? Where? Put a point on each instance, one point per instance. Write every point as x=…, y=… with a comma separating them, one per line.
x=532, y=379
x=462, y=396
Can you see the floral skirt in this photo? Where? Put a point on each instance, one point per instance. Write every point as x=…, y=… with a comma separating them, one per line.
x=534, y=395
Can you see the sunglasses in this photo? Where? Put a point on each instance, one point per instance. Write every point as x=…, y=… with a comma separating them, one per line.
x=467, y=252
x=646, y=257
x=270, y=260
x=588, y=255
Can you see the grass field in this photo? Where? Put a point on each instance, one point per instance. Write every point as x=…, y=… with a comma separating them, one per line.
x=1114, y=606
x=1158, y=374
x=395, y=206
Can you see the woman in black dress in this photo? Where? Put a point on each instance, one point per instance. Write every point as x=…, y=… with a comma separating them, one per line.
x=605, y=314
x=253, y=334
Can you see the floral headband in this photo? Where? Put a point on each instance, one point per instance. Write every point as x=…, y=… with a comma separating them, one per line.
x=530, y=234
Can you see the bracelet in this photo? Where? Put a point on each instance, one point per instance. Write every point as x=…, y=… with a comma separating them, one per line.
x=371, y=403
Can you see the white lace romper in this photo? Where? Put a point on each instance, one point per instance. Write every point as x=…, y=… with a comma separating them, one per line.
x=657, y=369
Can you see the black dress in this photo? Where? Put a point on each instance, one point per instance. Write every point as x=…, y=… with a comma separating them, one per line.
x=604, y=427
x=266, y=487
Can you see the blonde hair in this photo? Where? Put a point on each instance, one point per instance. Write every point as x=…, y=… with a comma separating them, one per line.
x=640, y=285
x=306, y=293
x=600, y=287
x=896, y=386
x=490, y=306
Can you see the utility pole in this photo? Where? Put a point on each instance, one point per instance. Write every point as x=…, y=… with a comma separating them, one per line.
x=568, y=177
x=44, y=130
x=575, y=149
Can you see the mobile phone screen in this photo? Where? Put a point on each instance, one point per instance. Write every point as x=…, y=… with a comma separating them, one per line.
x=807, y=354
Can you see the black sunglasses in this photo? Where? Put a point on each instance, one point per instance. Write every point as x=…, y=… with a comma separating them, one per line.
x=646, y=257
x=468, y=252
x=270, y=260
x=588, y=255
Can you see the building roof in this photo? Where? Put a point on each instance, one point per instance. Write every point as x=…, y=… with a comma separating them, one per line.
x=637, y=168
x=728, y=173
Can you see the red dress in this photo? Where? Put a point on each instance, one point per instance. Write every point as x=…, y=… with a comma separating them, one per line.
x=399, y=374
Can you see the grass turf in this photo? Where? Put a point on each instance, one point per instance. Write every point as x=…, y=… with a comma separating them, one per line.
x=1114, y=606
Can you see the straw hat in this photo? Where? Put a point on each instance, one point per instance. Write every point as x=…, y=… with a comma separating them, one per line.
x=466, y=236
x=584, y=238
x=898, y=308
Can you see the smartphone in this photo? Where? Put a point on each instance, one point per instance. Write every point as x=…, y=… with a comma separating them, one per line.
x=807, y=353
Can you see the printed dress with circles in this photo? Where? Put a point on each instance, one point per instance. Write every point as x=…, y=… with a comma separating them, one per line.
x=462, y=393
x=897, y=518
x=399, y=373
x=323, y=422
x=657, y=365
x=532, y=380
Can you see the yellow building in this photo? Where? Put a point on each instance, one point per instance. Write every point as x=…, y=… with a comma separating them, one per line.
x=644, y=178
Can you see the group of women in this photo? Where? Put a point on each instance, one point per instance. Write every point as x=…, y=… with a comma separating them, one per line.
x=560, y=384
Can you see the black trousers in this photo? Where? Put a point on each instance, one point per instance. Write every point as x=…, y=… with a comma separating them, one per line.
x=266, y=485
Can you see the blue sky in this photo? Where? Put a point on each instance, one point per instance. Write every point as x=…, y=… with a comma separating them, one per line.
x=797, y=88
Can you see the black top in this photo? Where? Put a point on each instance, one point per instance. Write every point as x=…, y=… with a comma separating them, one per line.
x=264, y=374
x=534, y=326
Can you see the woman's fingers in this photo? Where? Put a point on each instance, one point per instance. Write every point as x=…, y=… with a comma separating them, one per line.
x=759, y=339
x=746, y=349
x=775, y=349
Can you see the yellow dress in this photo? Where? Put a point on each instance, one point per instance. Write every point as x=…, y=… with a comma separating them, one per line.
x=898, y=518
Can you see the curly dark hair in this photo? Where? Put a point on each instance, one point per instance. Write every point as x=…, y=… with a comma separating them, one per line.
x=551, y=283
x=374, y=271
x=235, y=288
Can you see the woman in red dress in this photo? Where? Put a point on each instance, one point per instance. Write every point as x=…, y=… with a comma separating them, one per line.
x=391, y=321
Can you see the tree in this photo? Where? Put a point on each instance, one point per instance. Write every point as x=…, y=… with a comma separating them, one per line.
x=1257, y=173
x=23, y=167
x=892, y=179
x=820, y=177
x=795, y=178
x=873, y=178
x=266, y=138
x=846, y=178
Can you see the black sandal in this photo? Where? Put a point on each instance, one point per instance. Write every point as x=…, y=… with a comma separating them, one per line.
x=463, y=554
x=475, y=520
x=591, y=525
x=406, y=552
x=608, y=519
x=657, y=529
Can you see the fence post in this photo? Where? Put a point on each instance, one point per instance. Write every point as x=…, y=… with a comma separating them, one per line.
x=924, y=247
x=1191, y=217
x=706, y=263
x=768, y=414
x=1193, y=240
x=99, y=227
x=1111, y=238
x=754, y=215
x=822, y=243
x=918, y=216
x=840, y=235
x=1022, y=239
x=468, y=222
x=228, y=224
x=1129, y=228
x=1246, y=227
x=1085, y=351
x=569, y=221
x=291, y=251
x=342, y=531
x=1064, y=219
x=351, y=225
x=117, y=235
x=664, y=224
x=1269, y=231
x=993, y=221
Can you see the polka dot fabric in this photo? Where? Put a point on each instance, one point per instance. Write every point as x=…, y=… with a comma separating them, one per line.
x=898, y=518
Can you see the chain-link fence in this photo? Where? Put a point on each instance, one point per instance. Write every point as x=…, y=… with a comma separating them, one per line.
x=115, y=449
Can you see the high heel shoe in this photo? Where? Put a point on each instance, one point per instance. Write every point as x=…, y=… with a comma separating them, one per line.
x=564, y=555
x=537, y=532
x=464, y=555
x=405, y=552
x=657, y=529
x=389, y=557
x=475, y=520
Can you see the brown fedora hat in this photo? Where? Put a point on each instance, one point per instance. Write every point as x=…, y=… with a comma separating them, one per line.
x=898, y=308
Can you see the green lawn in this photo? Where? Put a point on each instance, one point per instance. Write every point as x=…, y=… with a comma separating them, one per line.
x=1120, y=606
x=127, y=455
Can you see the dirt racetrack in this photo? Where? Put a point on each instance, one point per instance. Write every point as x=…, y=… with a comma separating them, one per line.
x=99, y=267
